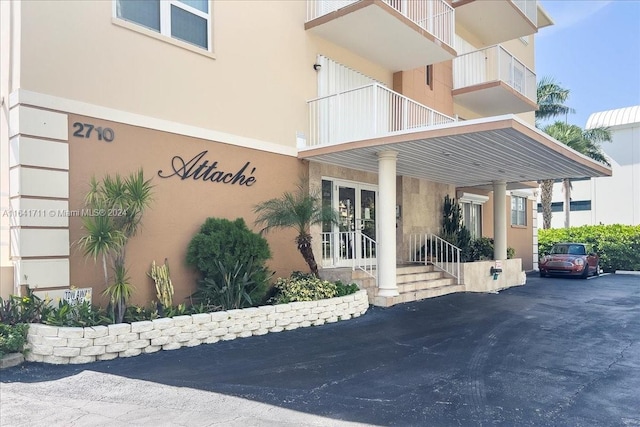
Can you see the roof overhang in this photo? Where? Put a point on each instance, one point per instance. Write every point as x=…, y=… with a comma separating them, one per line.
x=467, y=154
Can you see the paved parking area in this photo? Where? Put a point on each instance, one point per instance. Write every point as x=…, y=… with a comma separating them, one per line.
x=553, y=352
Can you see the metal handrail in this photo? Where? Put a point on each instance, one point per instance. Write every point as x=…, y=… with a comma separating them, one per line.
x=347, y=253
x=431, y=249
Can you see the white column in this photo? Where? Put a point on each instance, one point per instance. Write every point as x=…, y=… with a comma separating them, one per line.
x=499, y=220
x=387, y=286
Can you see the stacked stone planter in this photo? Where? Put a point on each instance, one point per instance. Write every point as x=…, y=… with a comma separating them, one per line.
x=63, y=345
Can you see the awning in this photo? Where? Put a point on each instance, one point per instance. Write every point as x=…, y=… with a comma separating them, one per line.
x=467, y=154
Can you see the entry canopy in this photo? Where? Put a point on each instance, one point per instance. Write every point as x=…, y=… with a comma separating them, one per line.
x=467, y=154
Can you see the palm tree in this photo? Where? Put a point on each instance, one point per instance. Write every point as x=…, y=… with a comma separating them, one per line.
x=583, y=141
x=117, y=206
x=299, y=210
x=551, y=98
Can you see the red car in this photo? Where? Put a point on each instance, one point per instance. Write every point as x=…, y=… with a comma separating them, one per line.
x=570, y=259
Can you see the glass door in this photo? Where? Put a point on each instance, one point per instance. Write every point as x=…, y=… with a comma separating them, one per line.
x=353, y=238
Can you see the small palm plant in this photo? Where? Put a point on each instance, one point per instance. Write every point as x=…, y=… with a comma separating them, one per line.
x=298, y=210
x=117, y=205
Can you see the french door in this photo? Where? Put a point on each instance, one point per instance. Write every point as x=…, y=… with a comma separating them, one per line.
x=353, y=238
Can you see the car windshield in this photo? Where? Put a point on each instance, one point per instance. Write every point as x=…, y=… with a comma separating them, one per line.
x=568, y=249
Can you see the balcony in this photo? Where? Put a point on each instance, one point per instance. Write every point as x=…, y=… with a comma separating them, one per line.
x=366, y=112
x=492, y=82
x=494, y=22
x=397, y=34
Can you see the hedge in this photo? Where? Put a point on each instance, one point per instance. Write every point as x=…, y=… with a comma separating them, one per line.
x=617, y=245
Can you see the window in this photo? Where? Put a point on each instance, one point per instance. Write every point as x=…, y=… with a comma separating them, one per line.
x=186, y=20
x=471, y=206
x=518, y=210
x=428, y=71
x=472, y=218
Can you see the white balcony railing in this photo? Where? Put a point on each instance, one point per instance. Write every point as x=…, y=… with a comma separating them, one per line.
x=435, y=16
x=365, y=112
x=492, y=64
x=529, y=8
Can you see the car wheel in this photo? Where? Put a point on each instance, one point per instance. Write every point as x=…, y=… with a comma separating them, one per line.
x=585, y=272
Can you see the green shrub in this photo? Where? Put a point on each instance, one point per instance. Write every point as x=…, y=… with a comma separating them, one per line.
x=225, y=242
x=26, y=309
x=13, y=338
x=77, y=315
x=231, y=289
x=307, y=287
x=342, y=289
x=617, y=245
x=482, y=249
x=135, y=313
x=303, y=289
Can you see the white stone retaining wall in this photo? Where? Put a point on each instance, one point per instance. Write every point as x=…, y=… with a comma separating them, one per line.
x=63, y=345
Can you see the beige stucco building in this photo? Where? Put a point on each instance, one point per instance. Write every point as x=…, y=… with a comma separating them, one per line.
x=386, y=105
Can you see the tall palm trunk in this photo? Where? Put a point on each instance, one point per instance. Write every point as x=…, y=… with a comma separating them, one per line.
x=304, y=246
x=566, y=184
x=546, y=195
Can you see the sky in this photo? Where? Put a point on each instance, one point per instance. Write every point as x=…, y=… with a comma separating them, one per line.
x=594, y=51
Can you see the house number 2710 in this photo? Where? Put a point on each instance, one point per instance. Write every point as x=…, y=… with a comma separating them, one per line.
x=86, y=130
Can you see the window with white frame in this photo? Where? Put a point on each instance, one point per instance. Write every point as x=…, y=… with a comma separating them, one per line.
x=185, y=20
x=471, y=206
x=472, y=218
x=518, y=210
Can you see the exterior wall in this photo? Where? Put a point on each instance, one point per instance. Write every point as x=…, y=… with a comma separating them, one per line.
x=210, y=91
x=64, y=345
x=237, y=102
x=9, y=75
x=51, y=171
x=180, y=205
x=421, y=203
x=520, y=238
x=413, y=83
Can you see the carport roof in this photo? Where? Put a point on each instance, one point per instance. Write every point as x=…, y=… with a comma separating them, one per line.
x=467, y=154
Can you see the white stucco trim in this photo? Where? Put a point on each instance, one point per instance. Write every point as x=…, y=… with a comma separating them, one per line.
x=477, y=199
x=25, y=97
x=43, y=273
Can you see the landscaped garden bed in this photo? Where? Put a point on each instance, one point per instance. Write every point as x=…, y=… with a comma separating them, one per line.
x=63, y=345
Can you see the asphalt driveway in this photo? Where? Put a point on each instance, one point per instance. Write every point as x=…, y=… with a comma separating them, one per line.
x=553, y=352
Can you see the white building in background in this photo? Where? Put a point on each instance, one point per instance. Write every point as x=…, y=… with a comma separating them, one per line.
x=607, y=200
